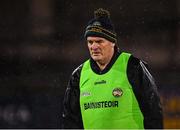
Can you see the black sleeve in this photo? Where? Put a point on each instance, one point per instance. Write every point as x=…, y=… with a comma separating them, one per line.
x=71, y=116
x=146, y=92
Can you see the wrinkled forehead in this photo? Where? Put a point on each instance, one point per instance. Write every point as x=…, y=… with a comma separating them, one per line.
x=94, y=38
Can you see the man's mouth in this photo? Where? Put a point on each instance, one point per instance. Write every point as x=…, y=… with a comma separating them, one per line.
x=95, y=53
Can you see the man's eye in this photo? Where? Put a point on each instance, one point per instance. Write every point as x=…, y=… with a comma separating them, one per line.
x=90, y=42
x=99, y=41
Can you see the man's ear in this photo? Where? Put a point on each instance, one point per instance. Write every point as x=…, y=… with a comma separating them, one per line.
x=113, y=44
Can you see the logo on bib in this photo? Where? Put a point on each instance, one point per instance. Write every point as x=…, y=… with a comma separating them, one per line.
x=85, y=94
x=100, y=82
x=117, y=92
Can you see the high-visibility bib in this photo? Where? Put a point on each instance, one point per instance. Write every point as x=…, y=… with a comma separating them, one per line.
x=107, y=101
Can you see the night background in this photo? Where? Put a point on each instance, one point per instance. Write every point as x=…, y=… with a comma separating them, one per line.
x=41, y=43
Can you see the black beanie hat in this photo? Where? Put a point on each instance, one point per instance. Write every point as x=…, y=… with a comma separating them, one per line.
x=101, y=26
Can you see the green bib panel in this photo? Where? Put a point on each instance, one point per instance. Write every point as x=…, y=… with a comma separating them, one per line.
x=107, y=101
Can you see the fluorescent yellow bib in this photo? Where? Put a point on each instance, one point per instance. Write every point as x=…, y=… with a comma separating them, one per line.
x=107, y=101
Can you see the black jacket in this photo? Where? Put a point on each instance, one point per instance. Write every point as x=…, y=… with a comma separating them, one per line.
x=143, y=86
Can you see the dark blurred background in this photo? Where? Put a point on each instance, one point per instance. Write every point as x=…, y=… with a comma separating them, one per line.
x=41, y=43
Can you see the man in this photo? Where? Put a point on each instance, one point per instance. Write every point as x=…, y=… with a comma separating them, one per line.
x=112, y=89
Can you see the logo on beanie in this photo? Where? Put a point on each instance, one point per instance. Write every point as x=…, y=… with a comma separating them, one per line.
x=96, y=23
x=95, y=30
x=117, y=92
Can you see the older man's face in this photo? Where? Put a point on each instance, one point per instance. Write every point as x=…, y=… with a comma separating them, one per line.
x=101, y=50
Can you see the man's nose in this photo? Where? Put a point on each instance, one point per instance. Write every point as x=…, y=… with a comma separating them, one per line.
x=95, y=45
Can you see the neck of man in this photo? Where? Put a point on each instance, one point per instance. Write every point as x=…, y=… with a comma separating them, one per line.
x=103, y=63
